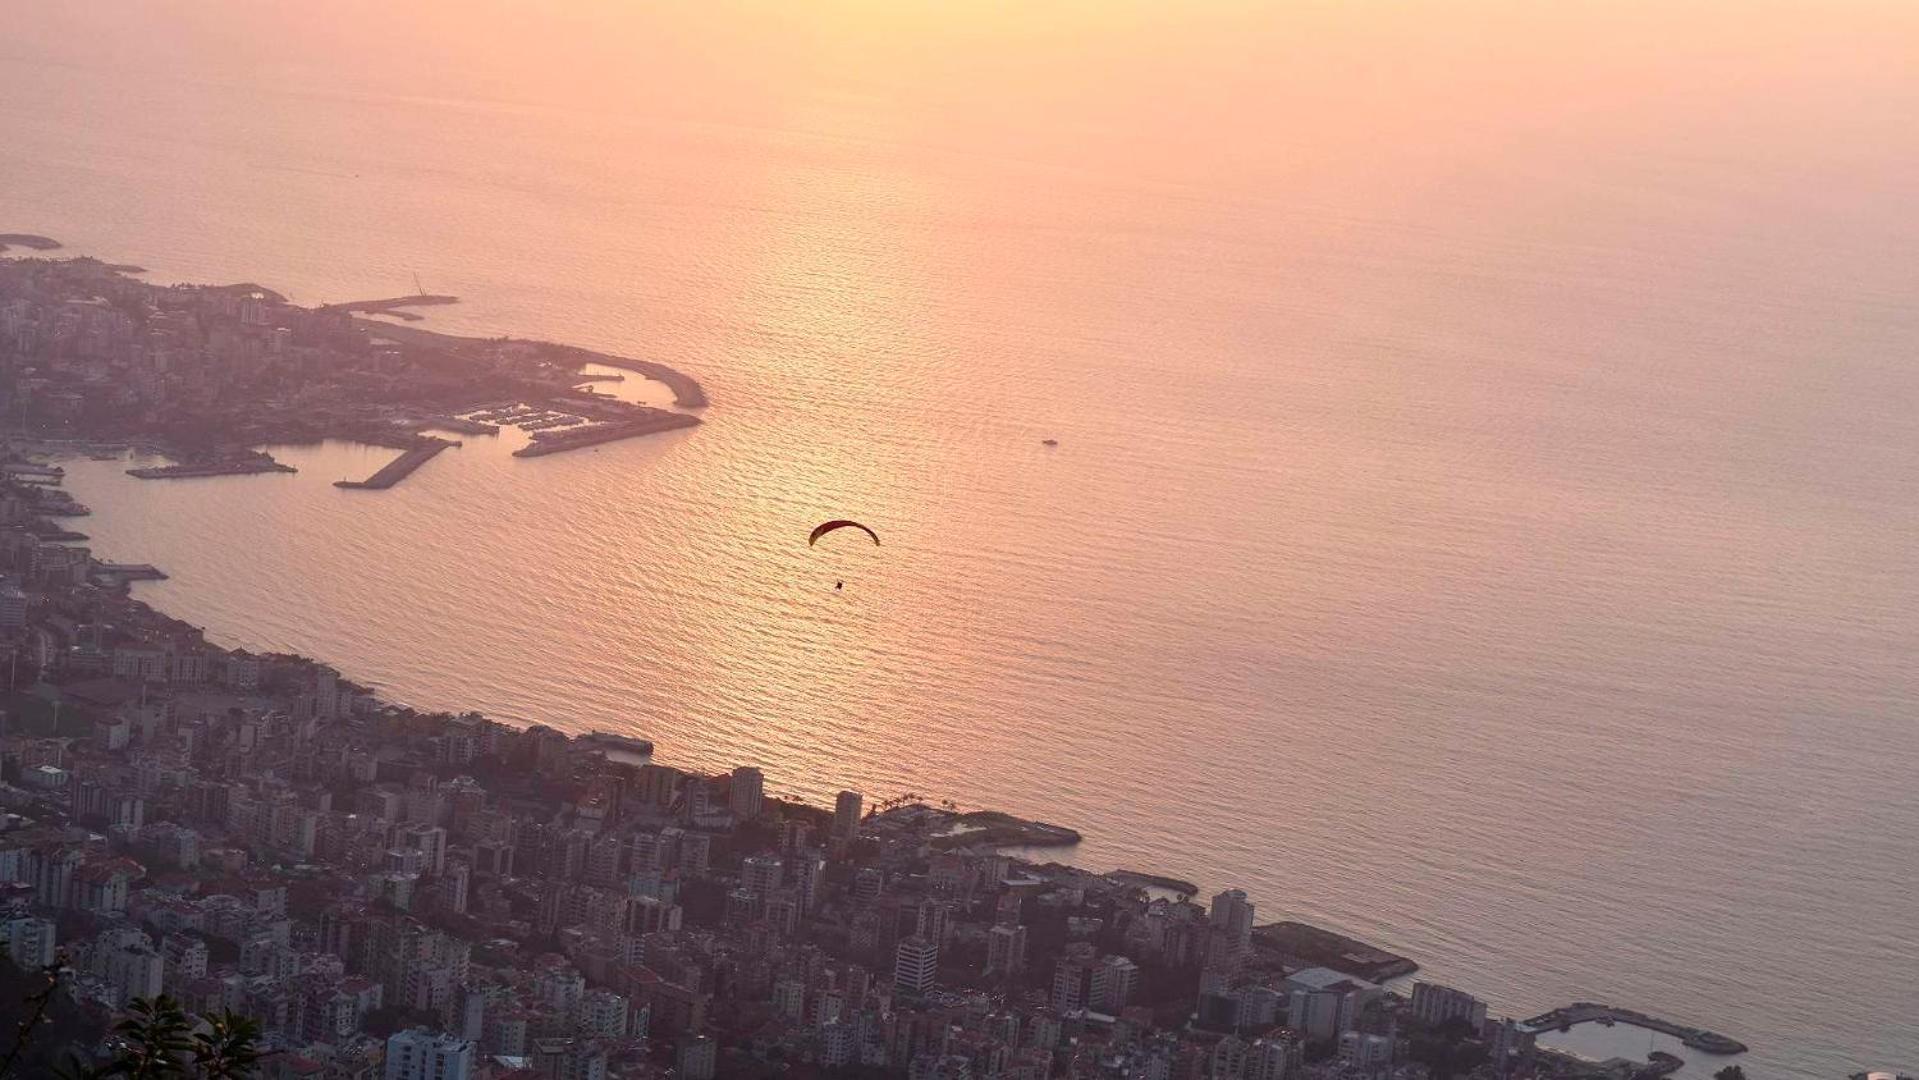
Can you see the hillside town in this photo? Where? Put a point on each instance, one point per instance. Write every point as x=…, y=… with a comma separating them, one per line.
x=408, y=896
x=382, y=890
x=398, y=895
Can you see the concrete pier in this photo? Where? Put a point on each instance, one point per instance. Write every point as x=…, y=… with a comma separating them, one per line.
x=400, y=467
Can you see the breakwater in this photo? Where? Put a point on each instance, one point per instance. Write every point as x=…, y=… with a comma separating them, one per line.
x=1580, y=1012
x=554, y=442
x=400, y=467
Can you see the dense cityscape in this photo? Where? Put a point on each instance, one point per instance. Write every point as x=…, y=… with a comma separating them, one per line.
x=387, y=893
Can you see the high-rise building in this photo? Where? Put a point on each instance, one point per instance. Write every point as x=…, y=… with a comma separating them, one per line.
x=747, y=796
x=932, y=921
x=1229, y=1058
x=1005, y=949
x=762, y=874
x=1232, y=917
x=698, y=1058
x=1436, y=1004
x=1274, y=1058
x=1071, y=978
x=1229, y=939
x=29, y=942
x=559, y=1058
x=789, y=1000
x=808, y=870
x=419, y=1054
x=429, y=841
x=126, y=959
x=1113, y=981
x=1365, y=1053
x=915, y=964
x=796, y=836
x=846, y=815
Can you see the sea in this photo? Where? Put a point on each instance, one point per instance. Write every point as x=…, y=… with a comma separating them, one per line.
x=1483, y=512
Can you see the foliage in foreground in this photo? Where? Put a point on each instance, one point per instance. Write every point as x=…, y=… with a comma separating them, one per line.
x=159, y=1041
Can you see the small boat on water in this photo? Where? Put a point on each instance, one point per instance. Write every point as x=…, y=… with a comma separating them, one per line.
x=1049, y=442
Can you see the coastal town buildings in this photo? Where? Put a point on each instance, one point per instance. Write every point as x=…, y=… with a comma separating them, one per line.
x=427, y=896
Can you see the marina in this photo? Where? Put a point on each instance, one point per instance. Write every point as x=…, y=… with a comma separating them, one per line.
x=1582, y=1012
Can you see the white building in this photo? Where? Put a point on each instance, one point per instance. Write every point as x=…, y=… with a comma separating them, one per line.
x=1366, y=1053
x=1274, y=1059
x=602, y=1013
x=420, y=1054
x=1322, y=1002
x=126, y=959
x=915, y=964
x=761, y=874
x=30, y=942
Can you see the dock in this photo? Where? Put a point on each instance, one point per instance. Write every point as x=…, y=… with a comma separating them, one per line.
x=560, y=441
x=395, y=305
x=400, y=467
x=133, y=571
x=687, y=393
x=1143, y=880
x=1304, y=944
x=239, y=467
x=462, y=425
x=1581, y=1012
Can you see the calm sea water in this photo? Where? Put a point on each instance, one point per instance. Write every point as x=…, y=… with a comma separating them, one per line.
x=1483, y=513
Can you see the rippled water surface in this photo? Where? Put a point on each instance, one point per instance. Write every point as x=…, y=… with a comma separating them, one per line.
x=1483, y=512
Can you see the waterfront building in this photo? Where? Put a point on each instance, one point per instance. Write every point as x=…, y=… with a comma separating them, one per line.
x=846, y=815
x=1322, y=1003
x=747, y=795
x=1436, y=1004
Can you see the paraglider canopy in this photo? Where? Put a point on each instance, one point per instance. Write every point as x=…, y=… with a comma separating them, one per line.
x=827, y=527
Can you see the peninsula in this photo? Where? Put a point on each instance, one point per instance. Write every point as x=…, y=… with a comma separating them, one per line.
x=28, y=240
x=207, y=374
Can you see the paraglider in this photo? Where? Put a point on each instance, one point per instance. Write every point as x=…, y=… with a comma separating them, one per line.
x=827, y=527
x=839, y=523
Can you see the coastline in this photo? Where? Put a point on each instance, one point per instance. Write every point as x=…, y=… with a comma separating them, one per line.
x=30, y=241
x=687, y=391
x=368, y=379
x=942, y=830
x=390, y=331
